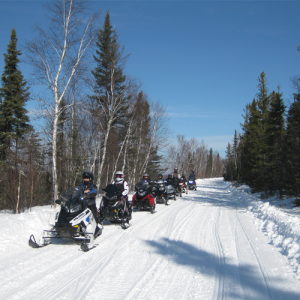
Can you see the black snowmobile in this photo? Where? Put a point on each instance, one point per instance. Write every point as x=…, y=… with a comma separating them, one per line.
x=74, y=221
x=113, y=207
x=159, y=190
x=171, y=191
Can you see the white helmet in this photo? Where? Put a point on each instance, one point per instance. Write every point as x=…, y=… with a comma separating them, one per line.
x=119, y=176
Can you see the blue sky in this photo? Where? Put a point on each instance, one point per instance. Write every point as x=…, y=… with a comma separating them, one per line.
x=201, y=59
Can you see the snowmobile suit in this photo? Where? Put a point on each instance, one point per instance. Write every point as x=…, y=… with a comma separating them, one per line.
x=92, y=197
x=123, y=187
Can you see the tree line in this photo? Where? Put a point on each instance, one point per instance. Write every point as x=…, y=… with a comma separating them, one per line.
x=95, y=117
x=266, y=155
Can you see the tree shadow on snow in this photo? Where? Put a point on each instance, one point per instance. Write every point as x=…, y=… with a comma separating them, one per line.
x=203, y=262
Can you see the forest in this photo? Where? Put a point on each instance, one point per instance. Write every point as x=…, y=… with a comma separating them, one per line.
x=265, y=155
x=90, y=116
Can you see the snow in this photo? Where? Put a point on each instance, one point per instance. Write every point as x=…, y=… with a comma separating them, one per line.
x=219, y=242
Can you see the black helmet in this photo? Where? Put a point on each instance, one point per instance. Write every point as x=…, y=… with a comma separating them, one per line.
x=170, y=176
x=160, y=176
x=89, y=175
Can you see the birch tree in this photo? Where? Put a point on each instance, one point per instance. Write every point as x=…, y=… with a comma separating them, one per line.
x=57, y=54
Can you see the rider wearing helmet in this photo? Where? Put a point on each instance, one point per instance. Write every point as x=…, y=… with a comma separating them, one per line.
x=176, y=177
x=122, y=186
x=160, y=177
x=145, y=179
x=87, y=187
x=170, y=180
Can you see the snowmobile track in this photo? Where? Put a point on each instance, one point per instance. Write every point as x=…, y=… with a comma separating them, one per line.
x=219, y=285
x=264, y=274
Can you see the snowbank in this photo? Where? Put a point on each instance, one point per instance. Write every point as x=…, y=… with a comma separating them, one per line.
x=280, y=221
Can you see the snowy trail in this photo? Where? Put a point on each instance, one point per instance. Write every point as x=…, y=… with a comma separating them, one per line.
x=205, y=245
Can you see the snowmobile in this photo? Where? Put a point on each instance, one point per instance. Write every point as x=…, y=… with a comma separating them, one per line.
x=143, y=198
x=113, y=207
x=183, y=187
x=74, y=221
x=192, y=185
x=161, y=195
x=171, y=192
x=178, y=190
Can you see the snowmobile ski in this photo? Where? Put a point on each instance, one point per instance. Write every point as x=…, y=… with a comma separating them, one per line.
x=32, y=243
x=86, y=247
x=125, y=225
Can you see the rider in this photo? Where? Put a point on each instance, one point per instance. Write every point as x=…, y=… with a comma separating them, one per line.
x=145, y=179
x=122, y=186
x=192, y=176
x=87, y=187
x=160, y=177
x=176, y=177
x=170, y=180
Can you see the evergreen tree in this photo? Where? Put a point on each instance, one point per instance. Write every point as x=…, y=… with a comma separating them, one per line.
x=110, y=88
x=275, y=132
x=251, y=145
x=14, y=95
x=292, y=149
x=253, y=156
x=229, y=169
x=210, y=164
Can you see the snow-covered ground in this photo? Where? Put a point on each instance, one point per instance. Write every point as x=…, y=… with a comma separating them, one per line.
x=219, y=242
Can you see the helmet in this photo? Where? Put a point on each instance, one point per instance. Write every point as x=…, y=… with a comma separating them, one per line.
x=146, y=176
x=89, y=175
x=175, y=170
x=170, y=176
x=160, y=176
x=119, y=176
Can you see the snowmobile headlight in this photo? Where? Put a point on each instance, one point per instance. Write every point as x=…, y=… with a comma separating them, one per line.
x=161, y=188
x=75, y=209
x=113, y=198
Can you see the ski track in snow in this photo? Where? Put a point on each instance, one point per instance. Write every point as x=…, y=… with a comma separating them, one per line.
x=204, y=245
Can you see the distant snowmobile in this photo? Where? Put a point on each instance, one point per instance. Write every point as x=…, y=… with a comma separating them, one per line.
x=171, y=192
x=159, y=189
x=74, y=221
x=192, y=185
x=113, y=207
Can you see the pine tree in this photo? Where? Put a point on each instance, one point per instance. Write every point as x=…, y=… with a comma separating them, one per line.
x=110, y=88
x=292, y=149
x=251, y=145
x=275, y=133
x=253, y=141
x=14, y=95
x=210, y=164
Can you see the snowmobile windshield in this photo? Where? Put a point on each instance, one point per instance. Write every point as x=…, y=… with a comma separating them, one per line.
x=143, y=185
x=111, y=191
x=72, y=200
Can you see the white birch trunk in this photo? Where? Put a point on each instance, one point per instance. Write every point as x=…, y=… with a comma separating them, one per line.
x=152, y=140
x=137, y=156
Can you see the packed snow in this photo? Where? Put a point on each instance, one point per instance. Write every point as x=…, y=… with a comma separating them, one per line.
x=219, y=242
